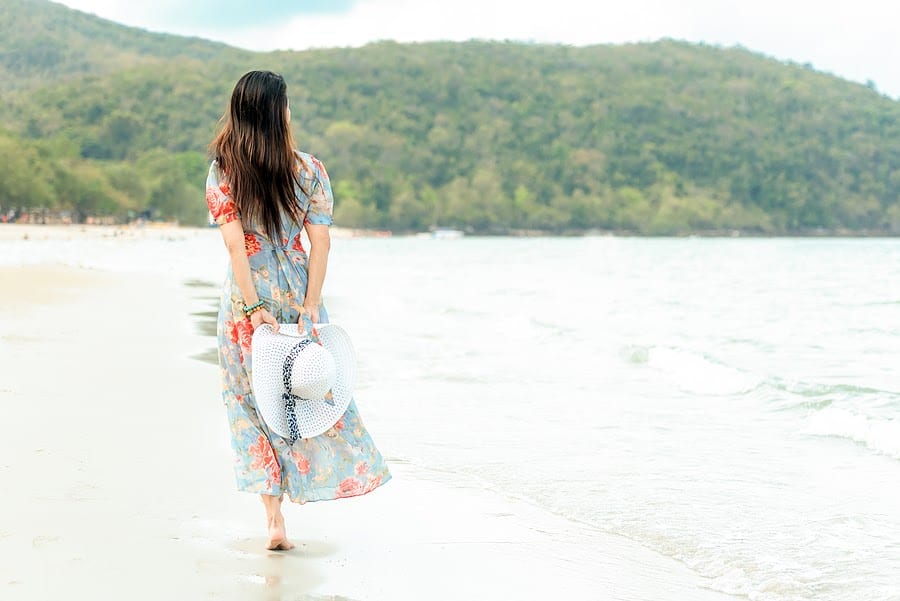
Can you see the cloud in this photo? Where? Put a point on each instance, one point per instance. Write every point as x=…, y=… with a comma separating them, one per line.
x=854, y=40
x=239, y=14
x=563, y=21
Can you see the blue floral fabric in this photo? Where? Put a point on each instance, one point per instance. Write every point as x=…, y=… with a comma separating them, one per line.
x=342, y=462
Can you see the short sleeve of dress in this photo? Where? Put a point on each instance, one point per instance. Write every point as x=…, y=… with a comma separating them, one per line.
x=321, y=199
x=221, y=205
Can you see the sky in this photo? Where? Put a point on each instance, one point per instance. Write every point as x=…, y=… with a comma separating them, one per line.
x=855, y=40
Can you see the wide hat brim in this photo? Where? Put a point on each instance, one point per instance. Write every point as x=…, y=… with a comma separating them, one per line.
x=313, y=416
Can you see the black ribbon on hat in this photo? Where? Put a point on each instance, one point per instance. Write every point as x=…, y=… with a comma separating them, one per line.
x=290, y=400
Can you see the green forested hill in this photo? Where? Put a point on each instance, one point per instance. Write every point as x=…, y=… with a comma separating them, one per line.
x=655, y=138
x=42, y=41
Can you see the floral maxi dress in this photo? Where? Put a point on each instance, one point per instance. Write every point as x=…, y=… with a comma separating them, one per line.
x=342, y=462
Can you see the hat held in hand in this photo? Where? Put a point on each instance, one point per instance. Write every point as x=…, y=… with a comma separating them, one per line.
x=302, y=388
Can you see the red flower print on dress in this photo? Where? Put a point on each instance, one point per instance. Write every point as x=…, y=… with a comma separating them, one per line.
x=221, y=206
x=244, y=331
x=264, y=459
x=224, y=187
x=319, y=166
x=214, y=202
x=301, y=462
x=230, y=213
x=349, y=487
x=372, y=484
x=232, y=330
x=298, y=244
x=361, y=468
x=251, y=244
x=339, y=425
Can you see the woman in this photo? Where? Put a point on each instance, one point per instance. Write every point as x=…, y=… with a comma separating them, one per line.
x=261, y=192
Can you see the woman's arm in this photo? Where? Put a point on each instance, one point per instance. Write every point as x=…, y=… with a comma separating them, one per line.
x=316, y=222
x=223, y=209
x=319, y=246
x=233, y=234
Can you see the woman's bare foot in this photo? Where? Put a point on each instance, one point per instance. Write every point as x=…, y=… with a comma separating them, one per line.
x=277, y=537
x=278, y=540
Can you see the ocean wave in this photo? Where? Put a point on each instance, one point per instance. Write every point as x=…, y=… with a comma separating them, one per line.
x=792, y=395
x=879, y=435
x=814, y=389
x=690, y=371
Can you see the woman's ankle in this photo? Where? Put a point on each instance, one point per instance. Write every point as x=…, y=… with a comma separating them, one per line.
x=272, y=505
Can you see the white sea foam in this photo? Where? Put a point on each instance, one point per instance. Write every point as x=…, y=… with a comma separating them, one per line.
x=692, y=372
x=879, y=435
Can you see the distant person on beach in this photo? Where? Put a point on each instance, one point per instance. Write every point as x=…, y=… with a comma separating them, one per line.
x=262, y=192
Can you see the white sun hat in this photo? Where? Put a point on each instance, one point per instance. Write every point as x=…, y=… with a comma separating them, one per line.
x=302, y=388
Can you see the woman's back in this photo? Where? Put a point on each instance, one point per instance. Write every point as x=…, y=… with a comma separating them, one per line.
x=313, y=193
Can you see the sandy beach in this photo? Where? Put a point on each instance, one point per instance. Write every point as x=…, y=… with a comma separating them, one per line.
x=116, y=479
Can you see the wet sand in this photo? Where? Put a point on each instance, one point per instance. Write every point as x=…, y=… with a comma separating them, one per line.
x=116, y=481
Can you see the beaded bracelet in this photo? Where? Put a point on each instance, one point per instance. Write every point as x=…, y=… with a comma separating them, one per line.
x=257, y=306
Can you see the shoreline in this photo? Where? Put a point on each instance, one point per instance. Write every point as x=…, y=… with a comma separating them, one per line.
x=12, y=231
x=121, y=433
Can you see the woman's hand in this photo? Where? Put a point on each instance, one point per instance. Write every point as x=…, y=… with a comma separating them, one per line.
x=312, y=311
x=263, y=316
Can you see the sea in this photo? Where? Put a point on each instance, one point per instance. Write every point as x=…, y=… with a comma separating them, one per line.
x=730, y=403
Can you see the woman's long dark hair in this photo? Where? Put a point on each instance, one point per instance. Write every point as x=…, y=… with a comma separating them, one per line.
x=255, y=153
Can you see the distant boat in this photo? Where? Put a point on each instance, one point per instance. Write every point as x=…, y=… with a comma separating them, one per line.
x=444, y=233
